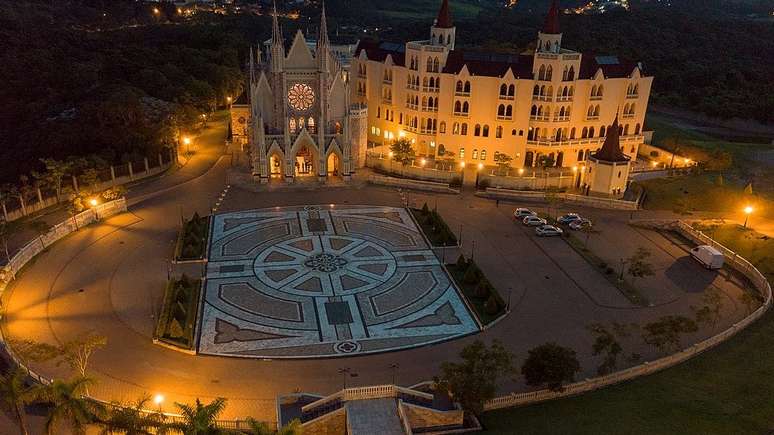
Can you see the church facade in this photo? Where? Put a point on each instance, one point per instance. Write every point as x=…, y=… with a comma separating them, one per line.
x=546, y=106
x=300, y=122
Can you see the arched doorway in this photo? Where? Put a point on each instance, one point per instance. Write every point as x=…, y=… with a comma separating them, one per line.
x=304, y=162
x=334, y=165
x=276, y=166
x=528, y=159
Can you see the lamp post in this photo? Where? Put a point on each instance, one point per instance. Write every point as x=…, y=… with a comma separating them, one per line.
x=394, y=368
x=158, y=399
x=187, y=143
x=747, y=212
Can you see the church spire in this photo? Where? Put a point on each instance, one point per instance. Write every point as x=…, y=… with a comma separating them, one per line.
x=611, y=148
x=444, y=20
x=276, y=35
x=322, y=37
x=551, y=26
x=252, y=67
x=277, y=44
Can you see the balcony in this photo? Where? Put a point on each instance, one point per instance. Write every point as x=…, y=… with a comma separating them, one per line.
x=561, y=119
x=595, y=98
x=585, y=142
x=627, y=116
x=412, y=106
x=504, y=118
x=564, y=98
x=506, y=97
x=461, y=94
x=412, y=87
x=429, y=109
x=632, y=96
x=427, y=131
x=429, y=89
x=386, y=100
x=542, y=98
x=462, y=114
x=539, y=118
x=592, y=118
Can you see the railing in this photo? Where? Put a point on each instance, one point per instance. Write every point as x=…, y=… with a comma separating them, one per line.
x=564, y=98
x=561, y=118
x=506, y=97
x=632, y=95
x=542, y=98
x=592, y=118
x=732, y=259
x=461, y=114
x=595, y=97
x=539, y=118
x=429, y=89
x=504, y=118
x=412, y=87
x=547, y=56
x=461, y=94
x=627, y=116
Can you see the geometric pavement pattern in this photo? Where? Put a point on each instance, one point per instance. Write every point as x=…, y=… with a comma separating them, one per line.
x=323, y=281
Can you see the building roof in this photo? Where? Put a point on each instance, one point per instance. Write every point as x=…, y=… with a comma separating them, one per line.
x=444, y=19
x=551, y=26
x=611, y=149
x=490, y=64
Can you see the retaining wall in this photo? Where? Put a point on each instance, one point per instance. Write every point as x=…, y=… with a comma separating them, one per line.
x=536, y=195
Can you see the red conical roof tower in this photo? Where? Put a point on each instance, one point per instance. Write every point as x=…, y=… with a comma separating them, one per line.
x=551, y=25
x=611, y=149
x=444, y=19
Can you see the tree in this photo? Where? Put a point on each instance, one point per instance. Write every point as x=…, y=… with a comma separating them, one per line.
x=473, y=381
x=447, y=159
x=132, y=419
x=664, y=334
x=55, y=171
x=6, y=229
x=607, y=341
x=261, y=428
x=76, y=352
x=553, y=199
x=710, y=313
x=551, y=365
x=199, y=419
x=69, y=407
x=402, y=151
x=638, y=264
x=503, y=162
x=15, y=394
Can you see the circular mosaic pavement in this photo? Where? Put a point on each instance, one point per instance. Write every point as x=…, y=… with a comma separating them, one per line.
x=324, y=281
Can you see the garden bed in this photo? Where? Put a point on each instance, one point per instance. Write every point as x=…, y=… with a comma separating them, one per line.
x=177, y=318
x=481, y=295
x=192, y=240
x=435, y=228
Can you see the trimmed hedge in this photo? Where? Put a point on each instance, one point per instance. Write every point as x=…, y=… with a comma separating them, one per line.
x=193, y=240
x=483, y=297
x=177, y=320
x=434, y=227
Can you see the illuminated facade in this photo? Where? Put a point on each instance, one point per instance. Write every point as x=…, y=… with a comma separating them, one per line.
x=546, y=104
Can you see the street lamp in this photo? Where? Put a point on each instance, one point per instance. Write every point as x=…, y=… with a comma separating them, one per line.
x=422, y=162
x=747, y=212
x=93, y=202
x=187, y=143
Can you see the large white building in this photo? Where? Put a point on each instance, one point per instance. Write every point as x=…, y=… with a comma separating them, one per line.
x=545, y=101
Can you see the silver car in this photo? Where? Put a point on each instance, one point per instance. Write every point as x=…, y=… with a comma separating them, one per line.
x=548, y=230
x=533, y=221
x=521, y=213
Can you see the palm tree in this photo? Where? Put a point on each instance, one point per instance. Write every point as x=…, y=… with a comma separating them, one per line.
x=292, y=428
x=261, y=428
x=200, y=419
x=132, y=419
x=69, y=406
x=15, y=394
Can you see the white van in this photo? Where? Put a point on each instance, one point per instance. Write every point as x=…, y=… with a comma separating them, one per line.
x=708, y=256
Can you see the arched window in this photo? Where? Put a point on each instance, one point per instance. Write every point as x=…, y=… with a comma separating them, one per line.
x=564, y=73
x=584, y=133
x=513, y=132
x=637, y=129
x=626, y=130
x=543, y=90
x=591, y=131
x=501, y=110
x=310, y=124
x=602, y=131
x=443, y=127
x=338, y=128
x=292, y=125
x=477, y=132
x=459, y=86
x=594, y=91
x=429, y=65
x=436, y=65
x=475, y=153
x=549, y=72
x=571, y=74
x=511, y=90
x=558, y=135
x=467, y=87
x=456, y=128
x=509, y=111
x=378, y=112
x=590, y=112
x=561, y=112
x=572, y=88
x=572, y=133
x=580, y=155
x=596, y=110
x=465, y=107
x=457, y=107
x=464, y=129
x=540, y=111
x=599, y=91
x=542, y=72
x=424, y=82
x=536, y=91
x=533, y=112
x=483, y=154
x=486, y=130
x=503, y=89
x=499, y=132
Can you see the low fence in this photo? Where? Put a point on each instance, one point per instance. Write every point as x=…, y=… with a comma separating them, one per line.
x=37, y=199
x=533, y=180
x=536, y=195
x=429, y=186
x=386, y=165
x=732, y=259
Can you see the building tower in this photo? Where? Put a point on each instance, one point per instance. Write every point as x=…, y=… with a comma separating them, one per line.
x=442, y=32
x=550, y=37
x=609, y=167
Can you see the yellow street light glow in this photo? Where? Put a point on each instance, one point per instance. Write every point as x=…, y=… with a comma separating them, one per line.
x=575, y=169
x=422, y=162
x=480, y=166
x=156, y=11
x=228, y=99
x=654, y=163
x=93, y=202
x=462, y=164
x=401, y=133
x=158, y=399
x=687, y=161
x=748, y=209
x=521, y=171
x=187, y=140
x=391, y=153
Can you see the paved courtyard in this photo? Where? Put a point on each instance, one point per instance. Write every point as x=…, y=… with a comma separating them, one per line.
x=317, y=281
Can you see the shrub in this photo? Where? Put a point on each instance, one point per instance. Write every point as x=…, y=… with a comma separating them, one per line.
x=471, y=274
x=483, y=289
x=492, y=305
x=462, y=263
x=175, y=330
x=425, y=209
x=455, y=182
x=483, y=183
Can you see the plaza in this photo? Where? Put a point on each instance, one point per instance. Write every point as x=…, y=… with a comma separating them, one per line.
x=325, y=281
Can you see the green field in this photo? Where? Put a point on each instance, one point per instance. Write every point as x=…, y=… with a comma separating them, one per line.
x=728, y=390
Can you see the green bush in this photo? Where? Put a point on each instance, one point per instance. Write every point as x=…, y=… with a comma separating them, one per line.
x=492, y=305
x=483, y=289
x=472, y=273
x=462, y=263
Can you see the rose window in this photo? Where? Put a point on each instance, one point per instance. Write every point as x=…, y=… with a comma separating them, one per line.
x=300, y=96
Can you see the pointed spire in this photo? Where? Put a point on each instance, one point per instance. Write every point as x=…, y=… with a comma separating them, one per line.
x=252, y=66
x=444, y=20
x=551, y=25
x=611, y=149
x=322, y=37
x=276, y=35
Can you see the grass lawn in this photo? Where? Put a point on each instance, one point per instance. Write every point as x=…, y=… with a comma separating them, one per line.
x=700, y=192
x=727, y=390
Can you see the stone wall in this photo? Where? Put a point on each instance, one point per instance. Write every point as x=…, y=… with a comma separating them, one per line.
x=420, y=417
x=537, y=195
x=387, y=165
x=532, y=181
x=428, y=186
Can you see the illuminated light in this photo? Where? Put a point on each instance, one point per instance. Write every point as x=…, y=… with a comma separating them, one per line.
x=401, y=133
x=391, y=154
x=158, y=399
x=156, y=11
x=93, y=202
x=687, y=161
x=575, y=169
x=332, y=205
x=654, y=164
x=480, y=166
x=521, y=171
x=422, y=162
x=228, y=99
x=462, y=164
x=748, y=209
x=187, y=140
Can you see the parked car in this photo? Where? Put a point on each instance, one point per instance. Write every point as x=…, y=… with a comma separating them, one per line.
x=577, y=224
x=569, y=217
x=521, y=213
x=533, y=221
x=708, y=256
x=548, y=230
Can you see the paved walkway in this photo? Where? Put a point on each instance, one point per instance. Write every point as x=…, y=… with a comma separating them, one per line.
x=110, y=278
